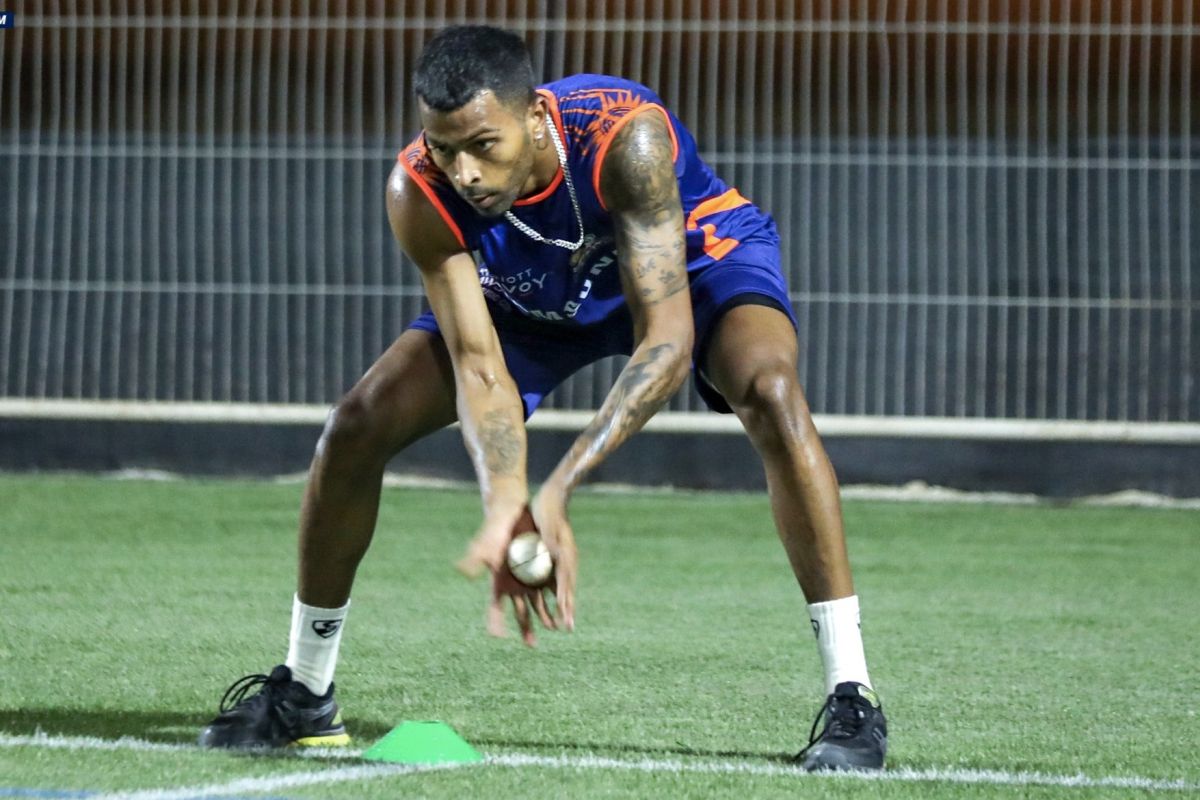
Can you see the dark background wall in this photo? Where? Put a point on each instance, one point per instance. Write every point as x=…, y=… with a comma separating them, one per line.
x=988, y=208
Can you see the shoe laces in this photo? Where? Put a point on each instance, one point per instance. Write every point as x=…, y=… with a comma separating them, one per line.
x=235, y=695
x=843, y=716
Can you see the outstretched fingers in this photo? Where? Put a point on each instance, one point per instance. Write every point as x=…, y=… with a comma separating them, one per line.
x=543, y=612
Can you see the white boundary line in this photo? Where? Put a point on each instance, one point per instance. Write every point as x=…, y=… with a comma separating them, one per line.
x=668, y=422
x=291, y=780
x=575, y=762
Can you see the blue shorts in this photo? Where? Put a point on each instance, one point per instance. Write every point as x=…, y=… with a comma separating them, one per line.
x=541, y=355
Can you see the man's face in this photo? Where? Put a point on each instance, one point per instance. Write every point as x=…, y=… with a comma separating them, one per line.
x=485, y=148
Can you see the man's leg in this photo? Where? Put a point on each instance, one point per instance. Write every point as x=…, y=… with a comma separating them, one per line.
x=408, y=393
x=751, y=360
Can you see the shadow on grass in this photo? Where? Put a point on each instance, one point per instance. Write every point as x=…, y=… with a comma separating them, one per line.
x=168, y=727
x=679, y=749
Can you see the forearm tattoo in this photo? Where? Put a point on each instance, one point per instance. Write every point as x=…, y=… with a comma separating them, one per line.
x=640, y=391
x=500, y=444
x=639, y=186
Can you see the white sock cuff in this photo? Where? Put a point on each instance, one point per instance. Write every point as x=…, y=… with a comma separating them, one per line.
x=839, y=641
x=316, y=611
x=834, y=613
x=313, y=645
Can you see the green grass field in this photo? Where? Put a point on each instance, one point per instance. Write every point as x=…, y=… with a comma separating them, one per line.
x=1021, y=651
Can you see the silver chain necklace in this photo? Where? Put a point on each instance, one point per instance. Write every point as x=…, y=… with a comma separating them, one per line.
x=562, y=160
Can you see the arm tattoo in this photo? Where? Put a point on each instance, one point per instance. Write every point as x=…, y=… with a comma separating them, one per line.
x=499, y=441
x=639, y=392
x=642, y=192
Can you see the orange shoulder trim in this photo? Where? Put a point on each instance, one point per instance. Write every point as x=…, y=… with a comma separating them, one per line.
x=612, y=133
x=433, y=198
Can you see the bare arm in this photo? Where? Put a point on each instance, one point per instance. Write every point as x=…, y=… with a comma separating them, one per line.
x=489, y=406
x=638, y=184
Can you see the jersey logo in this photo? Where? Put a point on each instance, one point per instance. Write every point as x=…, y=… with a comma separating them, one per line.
x=592, y=245
x=614, y=104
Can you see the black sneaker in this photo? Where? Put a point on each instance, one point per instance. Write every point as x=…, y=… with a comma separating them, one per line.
x=855, y=732
x=283, y=713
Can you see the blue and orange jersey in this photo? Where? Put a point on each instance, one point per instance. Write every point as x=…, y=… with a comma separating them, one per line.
x=547, y=282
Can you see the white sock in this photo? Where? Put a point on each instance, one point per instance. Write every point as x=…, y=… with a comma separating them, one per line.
x=313, y=648
x=839, y=640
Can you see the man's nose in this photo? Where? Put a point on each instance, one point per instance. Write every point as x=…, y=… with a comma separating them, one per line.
x=467, y=168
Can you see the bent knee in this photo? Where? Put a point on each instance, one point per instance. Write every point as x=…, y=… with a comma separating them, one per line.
x=773, y=409
x=353, y=423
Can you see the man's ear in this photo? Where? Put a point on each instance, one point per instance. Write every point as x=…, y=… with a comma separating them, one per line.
x=539, y=112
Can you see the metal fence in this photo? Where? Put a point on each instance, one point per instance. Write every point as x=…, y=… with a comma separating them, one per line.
x=987, y=207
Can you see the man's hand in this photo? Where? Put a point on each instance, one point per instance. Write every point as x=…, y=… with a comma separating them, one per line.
x=489, y=549
x=550, y=513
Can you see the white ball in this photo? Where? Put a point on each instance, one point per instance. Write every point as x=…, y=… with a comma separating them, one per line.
x=529, y=559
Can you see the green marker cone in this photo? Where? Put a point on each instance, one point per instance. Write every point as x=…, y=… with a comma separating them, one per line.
x=423, y=743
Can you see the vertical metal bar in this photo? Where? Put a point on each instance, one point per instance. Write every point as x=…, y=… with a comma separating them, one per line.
x=24, y=313
x=102, y=129
x=712, y=73
x=1167, y=375
x=942, y=406
x=796, y=79
x=756, y=125
x=1026, y=359
x=260, y=266
x=728, y=47
x=241, y=127
x=186, y=193
x=1084, y=224
x=354, y=218
x=151, y=274
x=168, y=277
x=1062, y=259
x=845, y=266
x=79, y=240
x=962, y=219
x=888, y=260
x=333, y=132
x=1103, y=390
x=44, y=312
x=206, y=104
x=902, y=382
x=1003, y=265
x=1123, y=215
x=11, y=47
x=1042, y=223
x=823, y=279
x=10, y=100
x=981, y=228
x=923, y=150
x=1145, y=265
x=863, y=264
x=1187, y=265
x=237, y=80
x=616, y=38
x=122, y=174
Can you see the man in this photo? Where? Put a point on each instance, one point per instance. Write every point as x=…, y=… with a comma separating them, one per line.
x=553, y=227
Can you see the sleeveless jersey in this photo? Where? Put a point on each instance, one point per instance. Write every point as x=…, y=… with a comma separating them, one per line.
x=546, y=282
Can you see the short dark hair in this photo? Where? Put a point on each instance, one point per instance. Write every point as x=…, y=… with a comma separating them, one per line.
x=463, y=60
